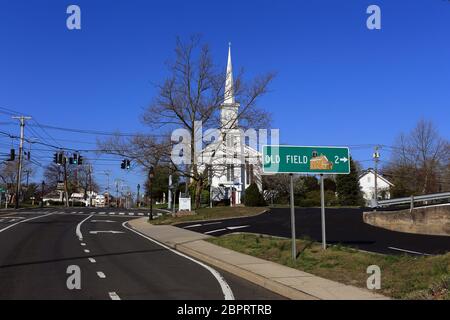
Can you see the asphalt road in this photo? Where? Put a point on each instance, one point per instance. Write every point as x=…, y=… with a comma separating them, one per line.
x=344, y=226
x=38, y=246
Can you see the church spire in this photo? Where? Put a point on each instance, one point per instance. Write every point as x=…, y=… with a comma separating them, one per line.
x=229, y=84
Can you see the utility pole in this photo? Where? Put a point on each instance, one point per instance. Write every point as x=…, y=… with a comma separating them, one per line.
x=376, y=159
x=42, y=198
x=138, y=195
x=66, y=189
x=22, y=120
x=169, y=194
x=90, y=185
x=28, y=176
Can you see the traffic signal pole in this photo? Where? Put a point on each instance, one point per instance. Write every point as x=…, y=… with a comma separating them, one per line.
x=22, y=120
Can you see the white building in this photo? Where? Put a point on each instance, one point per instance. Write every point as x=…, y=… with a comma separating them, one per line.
x=233, y=166
x=367, y=183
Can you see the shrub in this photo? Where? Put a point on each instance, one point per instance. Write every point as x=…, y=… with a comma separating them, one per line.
x=253, y=197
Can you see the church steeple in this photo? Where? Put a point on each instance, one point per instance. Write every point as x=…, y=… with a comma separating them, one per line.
x=229, y=84
x=229, y=109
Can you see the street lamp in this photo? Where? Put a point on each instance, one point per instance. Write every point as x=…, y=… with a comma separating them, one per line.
x=151, y=175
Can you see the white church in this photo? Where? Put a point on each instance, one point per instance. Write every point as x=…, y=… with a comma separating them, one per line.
x=233, y=165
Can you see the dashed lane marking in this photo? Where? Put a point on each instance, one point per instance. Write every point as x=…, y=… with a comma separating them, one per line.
x=114, y=296
x=87, y=251
x=92, y=260
x=101, y=275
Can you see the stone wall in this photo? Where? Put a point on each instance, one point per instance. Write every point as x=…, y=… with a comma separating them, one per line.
x=433, y=220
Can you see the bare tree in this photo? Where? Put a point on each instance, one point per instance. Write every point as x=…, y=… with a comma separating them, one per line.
x=8, y=175
x=79, y=178
x=419, y=160
x=194, y=91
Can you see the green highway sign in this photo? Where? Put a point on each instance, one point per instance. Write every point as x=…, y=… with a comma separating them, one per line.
x=314, y=160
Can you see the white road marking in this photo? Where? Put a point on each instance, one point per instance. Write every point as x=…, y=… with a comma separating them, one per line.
x=131, y=213
x=409, y=251
x=83, y=244
x=92, y=260
x=106, y=221
x=114, y=296
x=227, y=292
x=112, y=213
x=73, y=212
x=87, y=251
x=102, y=213
x=22, y=221
x=1, y=220
x=78, y=230
x=80, y=212
x=112, y=232
x=101, y=275
x=214, y=231
x=121, y=213
x=141, y=214
x=200, y=225
x=237, y=227
x=193, y=226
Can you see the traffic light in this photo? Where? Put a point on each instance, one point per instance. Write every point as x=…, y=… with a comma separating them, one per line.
x=55, y=158
x=12, y=155
x=126, y=164
x=71, y=160
x=79, y=160
x=60, y=158
x=75, y=158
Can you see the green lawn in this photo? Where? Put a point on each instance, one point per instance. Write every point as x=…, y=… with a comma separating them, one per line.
x=212, y=214
x=403, y=277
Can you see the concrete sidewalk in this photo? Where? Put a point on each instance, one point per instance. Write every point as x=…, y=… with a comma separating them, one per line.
x=288, y=282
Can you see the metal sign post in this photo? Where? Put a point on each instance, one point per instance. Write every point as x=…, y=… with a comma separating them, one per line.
x=306, y=160
x=294, y=237
x=322, y=199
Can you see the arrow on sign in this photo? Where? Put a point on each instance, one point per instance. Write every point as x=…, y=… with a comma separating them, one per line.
x=112, y=232
x=344, y=160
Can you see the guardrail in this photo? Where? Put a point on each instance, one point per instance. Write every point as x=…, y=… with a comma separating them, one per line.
x=413, y=199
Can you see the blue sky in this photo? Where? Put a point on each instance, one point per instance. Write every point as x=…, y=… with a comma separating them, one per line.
x=337, y=82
